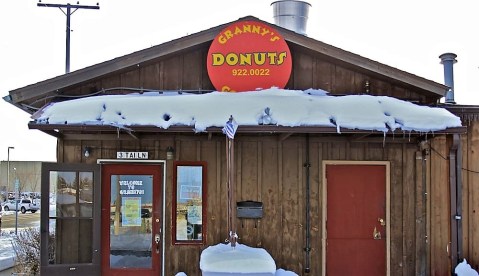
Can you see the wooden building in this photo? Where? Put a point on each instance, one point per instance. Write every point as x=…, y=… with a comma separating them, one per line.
x=305, y=179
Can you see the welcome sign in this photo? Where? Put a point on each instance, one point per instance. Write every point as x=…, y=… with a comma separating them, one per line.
x=248, y=55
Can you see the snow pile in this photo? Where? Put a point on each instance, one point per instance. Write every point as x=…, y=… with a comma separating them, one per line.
x=282, y=272
x=7, y=255
x=464, y=269
x=279, y=272
x=273, y=106
x=224, y=260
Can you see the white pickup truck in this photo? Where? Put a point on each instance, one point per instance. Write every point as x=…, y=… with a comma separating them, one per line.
x=24, y=205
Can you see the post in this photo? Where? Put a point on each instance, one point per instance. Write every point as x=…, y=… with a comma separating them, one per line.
x=68, y=14
x=230, y=130
x=8, y=169
x=16, y=201
x=67, y=54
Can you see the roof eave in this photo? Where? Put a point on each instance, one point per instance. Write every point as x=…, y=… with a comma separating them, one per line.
x=58, y=83
x=91, y=72
x=364, y=63
x=55, y=130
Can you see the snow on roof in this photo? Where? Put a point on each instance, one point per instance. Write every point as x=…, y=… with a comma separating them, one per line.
x=273, y=106
x=241, y=259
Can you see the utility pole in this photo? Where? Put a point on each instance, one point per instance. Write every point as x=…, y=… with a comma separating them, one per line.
x=68, y=13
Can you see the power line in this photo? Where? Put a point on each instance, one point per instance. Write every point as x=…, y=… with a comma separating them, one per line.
x=68, y=14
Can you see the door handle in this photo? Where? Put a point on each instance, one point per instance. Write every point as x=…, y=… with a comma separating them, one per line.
x=157, y=241
x=376, y=234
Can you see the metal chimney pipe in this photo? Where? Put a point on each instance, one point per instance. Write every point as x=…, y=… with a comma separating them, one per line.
x=291, y=14
x=448, y=60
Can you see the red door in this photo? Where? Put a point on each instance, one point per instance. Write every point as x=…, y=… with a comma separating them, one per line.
x=356, y=220
x=131, y=219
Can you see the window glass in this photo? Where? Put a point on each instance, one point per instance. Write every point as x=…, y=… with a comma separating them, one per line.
x=131, y=206
x=70, y=217
x=190, y=200
x=85, y=194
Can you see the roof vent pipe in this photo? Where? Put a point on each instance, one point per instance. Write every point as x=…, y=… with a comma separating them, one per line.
x=291, y=14
x=448, y=60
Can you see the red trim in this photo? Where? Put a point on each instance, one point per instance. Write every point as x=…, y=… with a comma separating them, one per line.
x=204, y=193
x=133, y=169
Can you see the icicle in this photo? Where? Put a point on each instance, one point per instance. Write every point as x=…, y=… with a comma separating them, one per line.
x=384, y=139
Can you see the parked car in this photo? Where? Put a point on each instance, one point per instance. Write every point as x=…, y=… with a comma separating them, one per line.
x=24, y=205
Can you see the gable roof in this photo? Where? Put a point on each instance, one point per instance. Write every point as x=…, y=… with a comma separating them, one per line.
x=19, y=97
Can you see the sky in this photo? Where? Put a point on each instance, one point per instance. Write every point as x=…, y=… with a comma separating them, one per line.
x=408, y=35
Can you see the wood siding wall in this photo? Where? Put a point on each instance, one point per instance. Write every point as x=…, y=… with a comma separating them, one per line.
x=470, y=194
x=187, y=71
x=272, y=171
x=438, y=222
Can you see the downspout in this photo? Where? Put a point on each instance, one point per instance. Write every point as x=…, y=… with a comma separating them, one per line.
x=425, y=153
x=307, y=249
x=455, y=175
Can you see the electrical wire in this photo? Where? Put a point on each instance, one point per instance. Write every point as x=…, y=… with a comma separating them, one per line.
x=446, y=158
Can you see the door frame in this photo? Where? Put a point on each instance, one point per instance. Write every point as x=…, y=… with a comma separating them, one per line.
x=163, y=205
x=94, y=267
x=324, y=199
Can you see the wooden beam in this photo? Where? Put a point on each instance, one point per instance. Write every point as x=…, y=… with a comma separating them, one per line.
x=359, y=136
x=243, y=129
x=284, y=136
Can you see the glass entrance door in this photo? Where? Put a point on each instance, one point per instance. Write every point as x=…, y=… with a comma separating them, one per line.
x=131, y=228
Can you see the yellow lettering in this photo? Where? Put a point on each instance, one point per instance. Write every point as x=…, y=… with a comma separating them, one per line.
x=259, y=58
x=264, y=32
x=222, y=39
x=238, y=31
x=281, y=58
x=245, y=59
x=232, y=59
x=272, y=58
x=226, y=89
x=273, y=39
x=218, y=59
x=256, y=29
x=228, y=34
x=246, y=28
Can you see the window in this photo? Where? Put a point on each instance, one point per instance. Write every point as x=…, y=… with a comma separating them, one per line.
x=189, y=202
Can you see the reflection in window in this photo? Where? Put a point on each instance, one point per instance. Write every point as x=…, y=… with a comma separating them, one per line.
x=70, y=217
x=131, y=206
x=189, y=200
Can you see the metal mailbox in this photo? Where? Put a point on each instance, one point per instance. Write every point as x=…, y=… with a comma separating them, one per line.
x=249, y=209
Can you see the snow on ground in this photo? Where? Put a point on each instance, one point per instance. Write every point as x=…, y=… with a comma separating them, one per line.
x=243, y=263
x=7, y=255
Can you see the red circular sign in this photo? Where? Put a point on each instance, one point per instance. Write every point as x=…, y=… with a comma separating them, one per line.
x=248, y=55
